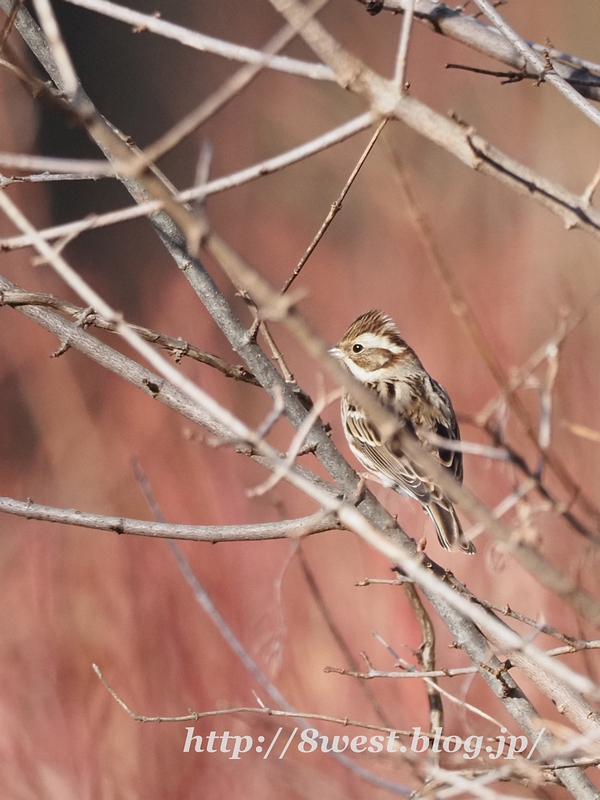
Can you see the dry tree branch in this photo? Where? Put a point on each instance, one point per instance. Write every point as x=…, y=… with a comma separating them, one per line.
x=162, y=530
x=372, y=673
x=262, y=710
x=426, y=658
x=455, y=137
x=542, y=65
x=226, y=92
x=193, y=716
x=336, y=633
x=47, y=177
x=336, y=207
x=155, y=387
x=432, y=684
x=402, y=55
x=8, y=24
x=484, y=39
x=564, y=327
x=176, y=347
x=200, y=41
x=29, y=163
x=150, y=207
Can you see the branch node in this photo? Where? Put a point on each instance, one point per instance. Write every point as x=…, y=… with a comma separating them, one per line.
x=153, y=387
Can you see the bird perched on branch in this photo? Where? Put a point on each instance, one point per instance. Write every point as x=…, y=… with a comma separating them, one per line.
x=375, y=353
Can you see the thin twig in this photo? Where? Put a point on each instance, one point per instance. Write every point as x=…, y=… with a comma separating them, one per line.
x=297, y=443
x=400, y=70
x=336, y=632
x=203, y=174
x=200, y=41
x=335, y=208
x=226, y=92
x=193, y=716
x=150, y=207
x=176, y=347
x=82, y=168
x=9, y=23
x=540, y=64
x=426, y=657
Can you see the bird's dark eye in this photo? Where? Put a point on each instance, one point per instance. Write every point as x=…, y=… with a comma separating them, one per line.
x=357, y=348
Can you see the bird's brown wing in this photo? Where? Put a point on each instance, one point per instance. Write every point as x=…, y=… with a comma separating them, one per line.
x=365, y=441
x=446, y=426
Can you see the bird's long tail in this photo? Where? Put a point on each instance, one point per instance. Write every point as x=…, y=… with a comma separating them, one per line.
x=448, y=528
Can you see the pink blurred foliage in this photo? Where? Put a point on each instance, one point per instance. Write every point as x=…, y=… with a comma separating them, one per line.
x=69, y=433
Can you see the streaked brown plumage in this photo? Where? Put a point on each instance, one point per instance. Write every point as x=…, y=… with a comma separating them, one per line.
x=375, y=353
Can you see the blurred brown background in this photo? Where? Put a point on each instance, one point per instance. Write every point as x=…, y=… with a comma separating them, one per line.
x=69, y=431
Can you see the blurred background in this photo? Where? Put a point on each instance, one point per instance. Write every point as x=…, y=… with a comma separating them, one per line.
x=69, y=431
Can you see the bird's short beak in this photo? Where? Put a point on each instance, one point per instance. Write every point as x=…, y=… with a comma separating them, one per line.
x=335, y=352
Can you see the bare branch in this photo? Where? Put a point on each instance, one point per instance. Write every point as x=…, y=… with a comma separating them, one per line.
x=542, y=65
x=148, y=208
x=243, y=274
x=225, y=92
x=200, y=41
x=408, y=674
x=335, y=209
x=426, y=658
x=262, y=710
x=484, y=39
x=176, y=347
x=400, y=70
x=82, y=168
x=162, y=530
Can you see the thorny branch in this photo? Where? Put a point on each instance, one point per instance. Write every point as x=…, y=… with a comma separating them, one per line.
x=89, y=318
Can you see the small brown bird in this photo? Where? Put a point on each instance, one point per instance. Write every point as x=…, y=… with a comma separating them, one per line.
x=375, y=353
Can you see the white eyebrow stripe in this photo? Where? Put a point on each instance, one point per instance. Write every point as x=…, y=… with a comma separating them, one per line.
x=372, y=340
x=376, y=340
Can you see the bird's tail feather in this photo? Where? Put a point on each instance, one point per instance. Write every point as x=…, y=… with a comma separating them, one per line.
x=448, y=528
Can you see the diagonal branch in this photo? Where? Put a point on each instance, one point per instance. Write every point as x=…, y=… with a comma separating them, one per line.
x=541, y=65
x=484, y=39
x=200, y=41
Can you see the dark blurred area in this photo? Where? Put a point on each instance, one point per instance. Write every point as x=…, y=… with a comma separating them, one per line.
x=69, y=431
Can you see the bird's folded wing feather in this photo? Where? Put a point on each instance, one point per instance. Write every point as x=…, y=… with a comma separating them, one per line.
x=396, y=468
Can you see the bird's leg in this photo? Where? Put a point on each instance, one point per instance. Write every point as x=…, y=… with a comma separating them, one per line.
x=357, y=494
x=370, y=476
